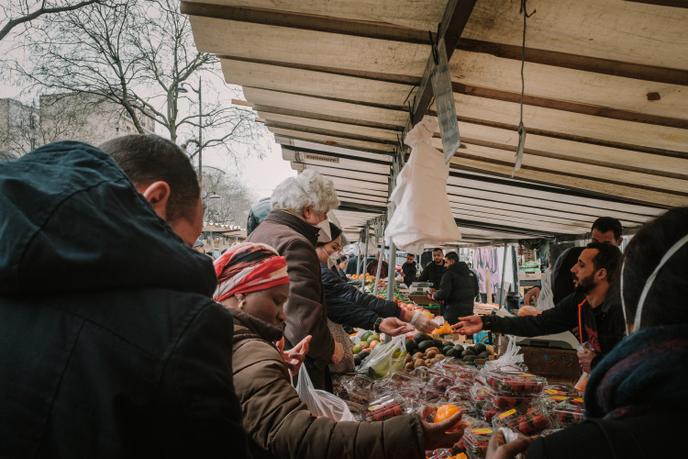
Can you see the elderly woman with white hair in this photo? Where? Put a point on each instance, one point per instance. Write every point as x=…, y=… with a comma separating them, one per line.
x=299, y=204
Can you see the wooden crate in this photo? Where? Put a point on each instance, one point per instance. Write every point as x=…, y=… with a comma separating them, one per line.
x=557, y=365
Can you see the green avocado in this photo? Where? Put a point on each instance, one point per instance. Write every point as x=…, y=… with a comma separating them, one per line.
x=425, y=345
x=420, y=337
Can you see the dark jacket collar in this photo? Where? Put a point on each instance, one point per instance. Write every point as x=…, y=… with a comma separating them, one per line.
x=71, y=221
x=254, y=327
x=282, y=217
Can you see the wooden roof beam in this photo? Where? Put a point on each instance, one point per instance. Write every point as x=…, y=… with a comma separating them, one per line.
x=298, y=20
x=578, y=62
x=575, y=107
x=453, y=22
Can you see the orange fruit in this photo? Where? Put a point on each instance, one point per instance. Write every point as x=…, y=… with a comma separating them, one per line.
x=444, y=412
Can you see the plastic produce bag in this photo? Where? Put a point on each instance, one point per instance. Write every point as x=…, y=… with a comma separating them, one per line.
x=385, y=359
x=510, y=361
x=320, y=402
x=422, y=214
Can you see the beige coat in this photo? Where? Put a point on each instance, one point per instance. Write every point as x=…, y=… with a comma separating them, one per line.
x=295, y=240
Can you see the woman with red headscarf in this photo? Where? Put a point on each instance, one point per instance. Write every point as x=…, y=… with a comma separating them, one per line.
x=253, y=284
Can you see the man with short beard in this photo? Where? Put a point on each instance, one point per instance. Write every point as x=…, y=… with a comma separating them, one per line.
x=598, y=316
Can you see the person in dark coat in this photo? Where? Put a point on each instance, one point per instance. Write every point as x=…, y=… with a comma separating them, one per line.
x=598, y=317
x=410, y=269
x=636, y=398
x=458, y=289
x=299, y=204
x=111, y=345
x=434, y=270
x=339, y=267
x=348, y=306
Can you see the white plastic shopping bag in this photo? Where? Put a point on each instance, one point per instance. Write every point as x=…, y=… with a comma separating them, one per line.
x=422, y=214
x=385, y=359
x=320, y=402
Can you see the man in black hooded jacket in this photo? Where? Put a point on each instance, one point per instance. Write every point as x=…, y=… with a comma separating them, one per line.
x=110, y=345
x=458, y=289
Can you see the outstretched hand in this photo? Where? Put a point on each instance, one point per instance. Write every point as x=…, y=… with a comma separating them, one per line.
x=295, y=356
x=394, y=327
x=468, y=325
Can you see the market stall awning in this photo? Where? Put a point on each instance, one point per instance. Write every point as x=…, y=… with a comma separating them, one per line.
x=606, y=101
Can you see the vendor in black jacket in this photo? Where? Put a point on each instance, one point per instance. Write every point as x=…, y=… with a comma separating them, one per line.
x=598, y=313
x=434, y=270
x=409, y=269
x=637, y=393
x=347, y=305
x=458, y=289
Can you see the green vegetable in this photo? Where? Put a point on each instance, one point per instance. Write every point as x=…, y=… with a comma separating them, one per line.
x=420, y=337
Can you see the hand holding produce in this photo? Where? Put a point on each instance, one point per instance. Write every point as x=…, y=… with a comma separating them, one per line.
x=394, y=327
x=585, y=358
x=498, y=448
x=422, y=323
x=445, y=412
x=437, y=434
x=468, y=325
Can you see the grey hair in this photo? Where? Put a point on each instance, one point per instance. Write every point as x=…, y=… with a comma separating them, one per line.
x=309, y=188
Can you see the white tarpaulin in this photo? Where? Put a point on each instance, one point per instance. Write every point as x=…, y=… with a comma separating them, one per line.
x=422, y=214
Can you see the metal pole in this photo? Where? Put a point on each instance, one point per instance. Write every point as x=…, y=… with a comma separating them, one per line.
x=200, y=134
x=358, y=254
x=380, y=252
x=391, y=271
x=365, y=258
x=502, y=296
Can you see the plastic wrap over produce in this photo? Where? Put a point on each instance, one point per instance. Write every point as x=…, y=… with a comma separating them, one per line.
x=422, y=214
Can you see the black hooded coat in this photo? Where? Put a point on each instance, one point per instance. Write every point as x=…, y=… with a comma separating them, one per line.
x=110, y=345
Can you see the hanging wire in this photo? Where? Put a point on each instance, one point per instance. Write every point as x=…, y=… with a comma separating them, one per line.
x=526, y=15
x=521, y=128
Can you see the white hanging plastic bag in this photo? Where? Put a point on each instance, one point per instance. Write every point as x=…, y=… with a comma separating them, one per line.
x=320, y=402
x=422, y=214
x=385, y=359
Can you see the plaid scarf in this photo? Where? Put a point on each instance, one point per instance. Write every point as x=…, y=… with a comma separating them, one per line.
x=248, y=267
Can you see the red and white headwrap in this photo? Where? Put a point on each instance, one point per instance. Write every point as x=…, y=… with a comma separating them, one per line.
x=248, y=267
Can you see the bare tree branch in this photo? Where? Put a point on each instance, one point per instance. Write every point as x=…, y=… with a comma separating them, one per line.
x=42, y=10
